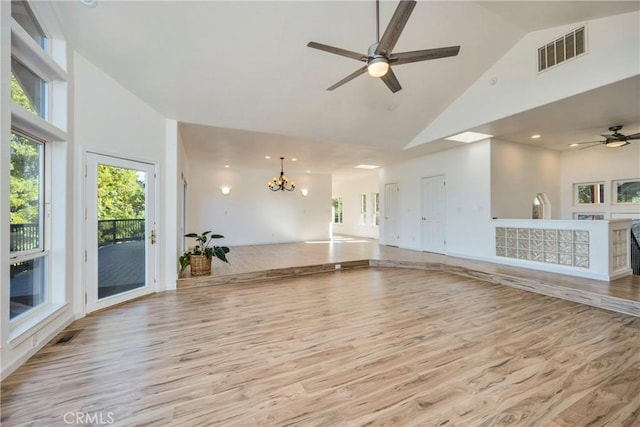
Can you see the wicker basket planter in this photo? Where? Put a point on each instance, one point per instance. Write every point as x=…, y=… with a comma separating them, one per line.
x=200, y=265
x=201, y=255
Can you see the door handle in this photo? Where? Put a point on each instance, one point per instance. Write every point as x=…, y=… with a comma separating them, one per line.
x=424, y=218
x=153, y=237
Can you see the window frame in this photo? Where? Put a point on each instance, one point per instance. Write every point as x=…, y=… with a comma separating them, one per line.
x=576, y=199
x=43, y=249
x=363, y=209
x=46, y=104
x=49, y=64
x=337, y=200
x=42, y=173
x=614, y=191
x=44, y=43
x=589, y=216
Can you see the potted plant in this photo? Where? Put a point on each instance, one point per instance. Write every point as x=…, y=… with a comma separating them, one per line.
x=201, y=255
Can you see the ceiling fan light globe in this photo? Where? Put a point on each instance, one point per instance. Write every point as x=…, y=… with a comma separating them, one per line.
x=615, y=144
x=378, y=67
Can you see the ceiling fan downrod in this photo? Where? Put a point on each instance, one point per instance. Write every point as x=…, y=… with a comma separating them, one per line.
x=378, y=21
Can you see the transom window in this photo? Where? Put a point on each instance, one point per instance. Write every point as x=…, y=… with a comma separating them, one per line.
x=627, y=191
x=22, y=13
x=28, y=90
x=589, y=193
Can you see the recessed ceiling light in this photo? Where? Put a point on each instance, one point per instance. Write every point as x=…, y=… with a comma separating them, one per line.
x=89, y=3
x=468, y=137
x=574, y=144
x=226, y=166
x=267, y=157
x=294, y=159
x=536, y=136
x=308, y=171
x=367, y=167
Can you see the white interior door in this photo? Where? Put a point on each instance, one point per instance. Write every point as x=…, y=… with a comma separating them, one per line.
x=391, y=232
x=120, y=224
x=434, y=215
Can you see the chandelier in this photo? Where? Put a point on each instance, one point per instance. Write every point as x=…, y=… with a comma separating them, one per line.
x=281, y=183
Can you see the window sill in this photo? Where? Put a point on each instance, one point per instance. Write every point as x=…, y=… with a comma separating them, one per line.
x=23, y=331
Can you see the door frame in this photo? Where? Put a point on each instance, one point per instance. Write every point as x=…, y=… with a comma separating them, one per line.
x=423, y=215
x=152, y=274
x=387, y=230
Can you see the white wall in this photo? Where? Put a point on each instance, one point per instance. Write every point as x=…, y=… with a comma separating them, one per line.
x=597, y=164
x=518, y=173
x=468, y=205
x=520, y=87
x=350, y=187
x=111, y=120
x=253, y=214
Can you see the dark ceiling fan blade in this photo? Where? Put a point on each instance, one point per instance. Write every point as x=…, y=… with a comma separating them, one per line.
x=349, y=77
x=391, y=81
x=590, y=144
x=423, y=55
x=349, y=54
x=395, y=27
x=633, y=136
x=613, y=137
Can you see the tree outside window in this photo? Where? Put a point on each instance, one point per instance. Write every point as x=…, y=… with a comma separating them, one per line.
x=627, y=191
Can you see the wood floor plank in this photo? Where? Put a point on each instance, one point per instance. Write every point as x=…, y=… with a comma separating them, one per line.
x=358, y=347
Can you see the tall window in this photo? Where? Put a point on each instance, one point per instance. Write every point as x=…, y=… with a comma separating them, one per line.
x=32, y=271
x=363, y=209
x=337, y=210
x=376, y=208
x=26, y=243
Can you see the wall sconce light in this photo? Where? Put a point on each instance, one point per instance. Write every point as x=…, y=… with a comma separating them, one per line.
x=225, y=190
x=304, y=192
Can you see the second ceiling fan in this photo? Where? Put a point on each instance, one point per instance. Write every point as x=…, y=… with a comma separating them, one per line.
x=379, y=57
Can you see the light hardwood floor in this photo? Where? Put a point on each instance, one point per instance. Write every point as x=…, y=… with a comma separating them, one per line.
x=358, y=347
x=260, y=262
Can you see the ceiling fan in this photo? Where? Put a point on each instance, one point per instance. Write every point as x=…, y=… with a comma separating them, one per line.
x=614, y=140
x=379, y=57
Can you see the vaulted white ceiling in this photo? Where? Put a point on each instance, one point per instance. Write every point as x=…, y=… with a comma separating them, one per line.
x=243, y=84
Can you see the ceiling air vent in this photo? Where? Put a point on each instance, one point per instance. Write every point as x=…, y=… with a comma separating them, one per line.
x=562, y=49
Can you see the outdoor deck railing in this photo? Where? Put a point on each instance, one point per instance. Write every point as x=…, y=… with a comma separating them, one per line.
x=25, y=237
x=112, y=231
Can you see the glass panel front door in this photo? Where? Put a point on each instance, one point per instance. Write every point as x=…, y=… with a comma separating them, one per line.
x=120, y=230
x=121, y=237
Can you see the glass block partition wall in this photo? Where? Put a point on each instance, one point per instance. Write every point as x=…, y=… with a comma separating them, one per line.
x=619, y=247
x=564, y=247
